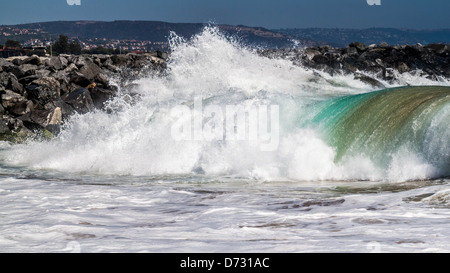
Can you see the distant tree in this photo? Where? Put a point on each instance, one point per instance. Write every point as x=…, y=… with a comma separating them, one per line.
x=117, y=51
x=74, y=48
x=39, y=52
x=61, y=46
x=12, y=43
x=97, y=50
x=100, y=50
x=103, y=50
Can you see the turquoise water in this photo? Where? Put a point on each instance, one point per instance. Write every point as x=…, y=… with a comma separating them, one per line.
x=379, y=124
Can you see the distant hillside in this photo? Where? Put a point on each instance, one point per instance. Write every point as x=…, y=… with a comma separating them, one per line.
x=154, y=31
x=343, y=37
x=158, y=32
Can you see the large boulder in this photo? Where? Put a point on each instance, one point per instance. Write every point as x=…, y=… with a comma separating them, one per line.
x=36, y=60
x=100, y=96
x=29, y=69
x=11, y=68
x=359, y=46
x=438, y=48
x=80, y=100
x=29, y=79
x=79, y=79
x=12, y=129
x=14, y=103
x=5, y=63
x=121, y=60
x=90, y=70
x=10, y=81
x=102, y=80
x=56, y=63
x=44, y=90
x=79, y=61
x=310, y=53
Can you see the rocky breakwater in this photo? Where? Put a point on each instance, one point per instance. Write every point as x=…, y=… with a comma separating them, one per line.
x=39, y=93
x=372, y=63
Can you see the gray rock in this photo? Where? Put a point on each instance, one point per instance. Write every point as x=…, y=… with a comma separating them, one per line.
x=80, y=100
x=12, y=129
x=162, y=55
x=111, y=68
x=10, y=81
x=15, y=85
x=64, y=61
x=71, y=68
x=17, y=61
x=90, y=70
x=43, y=72
x=55, y=117
x=55, y=63
x=29, y=69
x=352, y=51
x=29, y=79
x=120, y=60
x=107, y=62
x=4, y=62
x=438, y=48
x=36, y=60
x=402, y=68
x=44, y=90
x=4, y=79
x=35, y=120
x=21, y=108
x=360, y=46
x=15, y=104
x=320, y=59
x=66, y=109
x=10, y=98
x=79, y=61
x=16, y=70
x=310, y=53
x=79, y=79
x=102, y=79
x=100, y=96
x=324, y=48
x=4, y=128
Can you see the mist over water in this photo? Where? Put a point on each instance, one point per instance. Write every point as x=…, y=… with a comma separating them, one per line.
x=136, y=138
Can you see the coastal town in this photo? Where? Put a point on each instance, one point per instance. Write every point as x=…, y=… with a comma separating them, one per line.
x=38, y=40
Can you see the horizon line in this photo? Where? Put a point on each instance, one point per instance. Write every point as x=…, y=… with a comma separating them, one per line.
x=219, y=24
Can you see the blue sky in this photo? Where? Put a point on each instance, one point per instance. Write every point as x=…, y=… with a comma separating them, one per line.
x=266, y=13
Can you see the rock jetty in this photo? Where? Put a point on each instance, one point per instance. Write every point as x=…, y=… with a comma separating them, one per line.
x=39, y=93
x=380, y=61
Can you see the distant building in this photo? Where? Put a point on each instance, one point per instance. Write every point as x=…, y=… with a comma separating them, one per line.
x=7, y=52
x=139, y=51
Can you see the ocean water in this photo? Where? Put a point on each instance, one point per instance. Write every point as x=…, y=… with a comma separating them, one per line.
x=233, y=152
